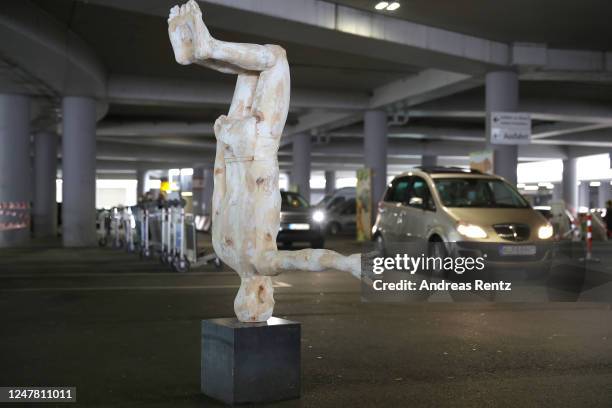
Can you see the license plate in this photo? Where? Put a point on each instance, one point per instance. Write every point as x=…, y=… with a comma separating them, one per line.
x=299, y=226
x=517, y=250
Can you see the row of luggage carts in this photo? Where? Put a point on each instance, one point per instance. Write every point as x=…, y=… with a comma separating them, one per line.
x=151, y=229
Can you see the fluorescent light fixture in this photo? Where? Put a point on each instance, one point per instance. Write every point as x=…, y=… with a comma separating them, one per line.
x=520, y=185
x=187, y=194
x=595, y=184
x=187, y=172
x=531, y=188
x=381, y=5
x=393, y=6
x=174, y=172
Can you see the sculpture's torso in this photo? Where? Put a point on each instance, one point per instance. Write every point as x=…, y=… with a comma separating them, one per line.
x=247, y=219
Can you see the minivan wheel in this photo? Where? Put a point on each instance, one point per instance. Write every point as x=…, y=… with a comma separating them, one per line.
x=437, y=250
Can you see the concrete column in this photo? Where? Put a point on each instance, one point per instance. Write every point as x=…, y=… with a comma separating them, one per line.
x=15, y=177
x=330, y=182
x=584, y=194
x=300, y=175
x=502, y=89
x=142, y=176
x=44, y=209
x=603, y=193
x=429, y=161
x=375, y=151
x=203, y=183
x=557, y=194
x=79, y=172
x=570, y=184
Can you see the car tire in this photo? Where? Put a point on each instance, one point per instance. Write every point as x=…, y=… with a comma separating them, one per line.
x=437, y=249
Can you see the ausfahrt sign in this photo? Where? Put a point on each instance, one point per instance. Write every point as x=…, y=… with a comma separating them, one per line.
x=510, y=128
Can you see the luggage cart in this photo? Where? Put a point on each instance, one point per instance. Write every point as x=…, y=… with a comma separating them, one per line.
x=155, y=227
x=115, y=226
x=143, y=228
x=104, y=227
x=128, y=233
x=188, y=255
x=166, y=234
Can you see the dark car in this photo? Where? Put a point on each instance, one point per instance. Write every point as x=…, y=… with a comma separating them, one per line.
x=297, y=222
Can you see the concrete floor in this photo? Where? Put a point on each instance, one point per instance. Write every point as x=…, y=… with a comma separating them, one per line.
x=126, y=332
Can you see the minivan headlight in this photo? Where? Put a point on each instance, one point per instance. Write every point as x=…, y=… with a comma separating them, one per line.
x=545, y=231
x=318, y=216
x=471, y=231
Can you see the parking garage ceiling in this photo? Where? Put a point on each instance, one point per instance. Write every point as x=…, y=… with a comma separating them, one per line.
x=434, y=96
x=137, y=44
x=558, y=23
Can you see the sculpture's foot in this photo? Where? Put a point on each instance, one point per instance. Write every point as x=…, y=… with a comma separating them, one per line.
x=189, y=36
x=255, y=299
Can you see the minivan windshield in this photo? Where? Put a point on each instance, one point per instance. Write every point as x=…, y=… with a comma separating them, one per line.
x=478, y=193
x=291, y=201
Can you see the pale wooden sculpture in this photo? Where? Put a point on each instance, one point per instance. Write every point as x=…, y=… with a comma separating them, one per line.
x=246, y=197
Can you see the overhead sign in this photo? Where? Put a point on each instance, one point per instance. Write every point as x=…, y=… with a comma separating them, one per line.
x=510, y=128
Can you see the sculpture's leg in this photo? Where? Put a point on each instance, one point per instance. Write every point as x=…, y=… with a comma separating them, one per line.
x=192, y=42
x=250, y=57
x=315, y=260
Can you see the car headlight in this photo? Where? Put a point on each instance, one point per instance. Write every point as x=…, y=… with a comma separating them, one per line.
x=471, y=231
x=545, y=231
x=318, y=216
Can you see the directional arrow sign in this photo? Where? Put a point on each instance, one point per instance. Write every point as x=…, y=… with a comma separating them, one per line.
x=510, y=128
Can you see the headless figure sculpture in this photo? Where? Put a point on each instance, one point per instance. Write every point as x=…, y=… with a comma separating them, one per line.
x=246, y=198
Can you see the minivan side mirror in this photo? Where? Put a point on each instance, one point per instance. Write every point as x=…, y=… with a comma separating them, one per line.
x=416, y=202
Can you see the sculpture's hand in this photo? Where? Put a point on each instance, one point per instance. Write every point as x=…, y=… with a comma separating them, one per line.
x=190, y=38
x=219, y=124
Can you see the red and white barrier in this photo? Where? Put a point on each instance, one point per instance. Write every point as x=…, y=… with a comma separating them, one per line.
x=589, y=237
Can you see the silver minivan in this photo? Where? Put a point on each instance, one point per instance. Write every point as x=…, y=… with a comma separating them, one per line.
x=467, y=213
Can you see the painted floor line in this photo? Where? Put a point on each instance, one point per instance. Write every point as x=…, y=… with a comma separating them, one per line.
x=111, y=288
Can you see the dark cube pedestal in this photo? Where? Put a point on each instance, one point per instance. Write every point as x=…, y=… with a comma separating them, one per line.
x=250, y=362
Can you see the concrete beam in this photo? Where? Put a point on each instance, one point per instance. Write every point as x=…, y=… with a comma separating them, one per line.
x=133, y=90
x=150, y=128
x=426, y=86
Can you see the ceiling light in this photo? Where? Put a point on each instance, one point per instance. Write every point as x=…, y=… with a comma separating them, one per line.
x=381, y=5
x=393, y=6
